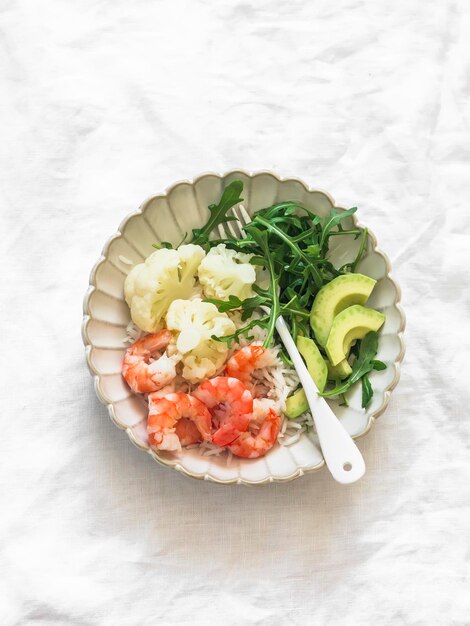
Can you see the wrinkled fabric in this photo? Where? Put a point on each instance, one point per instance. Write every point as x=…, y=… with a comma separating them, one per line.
x=105, y=103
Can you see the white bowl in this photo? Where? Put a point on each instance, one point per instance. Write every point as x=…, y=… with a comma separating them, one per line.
x=167, y=217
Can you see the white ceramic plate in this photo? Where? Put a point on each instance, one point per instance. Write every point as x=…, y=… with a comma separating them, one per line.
x=167, y=217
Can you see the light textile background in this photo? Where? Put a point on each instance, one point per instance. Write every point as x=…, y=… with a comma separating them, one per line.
x=105, y=103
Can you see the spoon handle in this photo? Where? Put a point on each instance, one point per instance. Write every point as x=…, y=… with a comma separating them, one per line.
x=341, y=454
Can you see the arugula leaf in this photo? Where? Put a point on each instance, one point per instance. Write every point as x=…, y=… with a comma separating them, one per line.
x=379, y=365
x=285, y=358
x=367, y=391
x=363, y=364
x=248, y=305
x=262, y=322
x=258, y=260
x=314, y=249
x=230, y=197
x=231, y=304
x=332, y=220
x=295, y=221
x=286, y=208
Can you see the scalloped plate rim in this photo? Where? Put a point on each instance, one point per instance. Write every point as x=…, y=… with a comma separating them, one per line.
x=299, y=472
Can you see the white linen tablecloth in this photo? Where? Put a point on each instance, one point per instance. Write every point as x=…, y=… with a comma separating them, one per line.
x=105, y=103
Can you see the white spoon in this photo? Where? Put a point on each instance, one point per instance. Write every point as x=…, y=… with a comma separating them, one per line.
x=341, y=454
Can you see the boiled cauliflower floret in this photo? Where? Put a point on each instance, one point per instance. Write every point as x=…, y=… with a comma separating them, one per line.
x=194, y=322
x=204, y=361
x=225, y=272
x=165, y=275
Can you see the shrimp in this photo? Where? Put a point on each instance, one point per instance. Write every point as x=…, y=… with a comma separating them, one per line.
x=230, y=404
x=249, y=358
x=187, y=432
x=144, y=368
x=261, y=407
x=165, y=414
x=185, y=429
x=252, y=446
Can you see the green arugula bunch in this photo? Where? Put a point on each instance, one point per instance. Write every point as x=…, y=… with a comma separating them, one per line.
x=292, y=243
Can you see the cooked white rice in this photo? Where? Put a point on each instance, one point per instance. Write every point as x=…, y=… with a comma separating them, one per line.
x=210, y=449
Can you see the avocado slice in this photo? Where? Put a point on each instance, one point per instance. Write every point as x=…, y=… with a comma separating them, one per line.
x=339, y=294
x=340, y=371
x=351, y=324
x=316, y=365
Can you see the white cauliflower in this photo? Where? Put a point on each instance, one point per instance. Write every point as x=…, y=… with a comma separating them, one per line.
x=165, y=275
x=225, y=272
x=194, y=322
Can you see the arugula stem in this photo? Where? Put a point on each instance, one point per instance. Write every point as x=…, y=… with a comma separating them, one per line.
x=298, y=312
x=275, y=306
x=337, y=391
x=355, y=231
x=228, y=339
x=294, y=329
x=304, y=235
x=360, y=253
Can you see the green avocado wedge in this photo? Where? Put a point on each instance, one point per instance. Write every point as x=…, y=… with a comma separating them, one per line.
x=339, y=294
x=316, y=365
x=351, y=324
x=340, y=371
